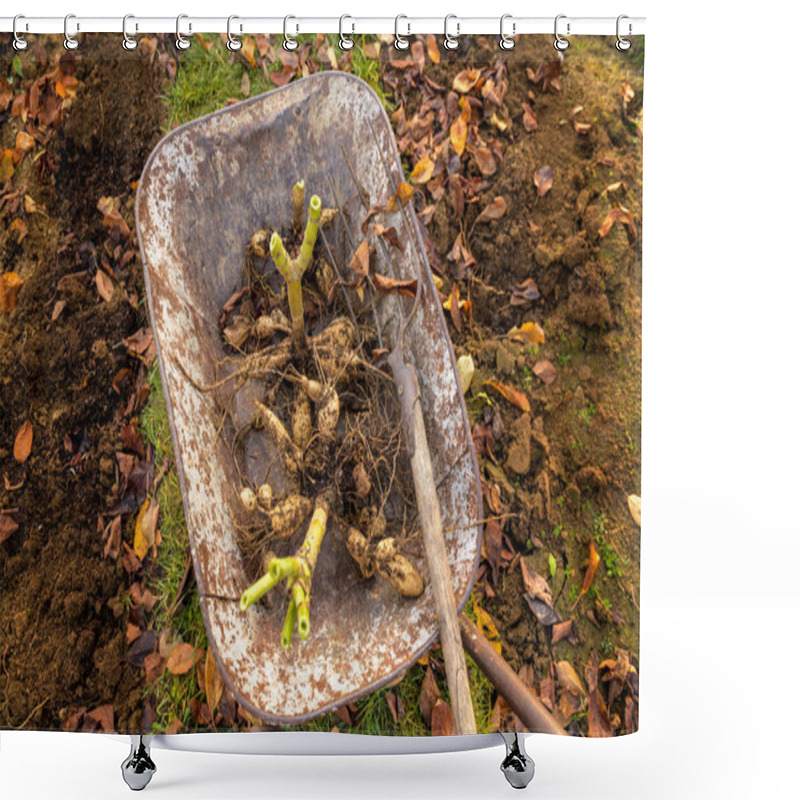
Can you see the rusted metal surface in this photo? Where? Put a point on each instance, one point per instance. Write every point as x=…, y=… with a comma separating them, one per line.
x=206, y=187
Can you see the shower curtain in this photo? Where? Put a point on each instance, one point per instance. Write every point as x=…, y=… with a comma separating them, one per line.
x=522, y=168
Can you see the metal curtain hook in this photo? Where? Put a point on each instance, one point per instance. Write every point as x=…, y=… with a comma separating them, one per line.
x=560, y=43
x=234, y=43
x=70, y=42
x=128, y=42
x=289, y=42
x=506, y=42
x=400, y=42
x=623, y=44
x=451, y=42
x=20, y=42
x=181, y=42
x=345, y=42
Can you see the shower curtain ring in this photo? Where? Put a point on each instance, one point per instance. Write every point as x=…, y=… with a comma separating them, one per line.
x=400, y=42
x=506, y=42
x=70, y=42
x=560, y=43
x=451, y=42
x=623, y=44
x=289, y=42
x=234, y=43
x=128, y=42
x=20, y=42
x=181, y=42
x=345, y=42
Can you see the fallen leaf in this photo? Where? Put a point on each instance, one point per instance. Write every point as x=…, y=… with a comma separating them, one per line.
x=58, y=308
x=428, y=695
x=10, y=284
x=528, y=333
x=458, y=130
x=8, y=525
x=422, y=172
x=105, y=285
x=213, y=683
x=200, y=711
x=113, y=538
x=433, y=48
x=619, y=214
x=361, y=481
x=569, y=679
x=104, y=716
x=403, y=194
x=390, y=234
x=466, y=80
x=23, y=442
x=515, y=396
x=535, y=585
x=465, y=367
x=454, y=307
x=525, y=292
x=386, y=284
x=635, y=507
x=545, y=371
x=594, y=560
x=495, y=210
x=183, y=657
x=359, y=263
x=140, y=649
x=248, y=50
x=529, y=120
x=145, y=531
x=581, y=128
x=442, y=722
x=487, y=627
x=19, y=228
x=596, y=712
x=485, y=161
x=561, y=630
x=543, y=180
x=175, y=725
x=6, y=165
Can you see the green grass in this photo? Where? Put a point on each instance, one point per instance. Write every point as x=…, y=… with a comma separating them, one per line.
x=173, y=693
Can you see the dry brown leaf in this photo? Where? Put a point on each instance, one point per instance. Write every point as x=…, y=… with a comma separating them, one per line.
x=545, y=371
x=442, y=722
x=422, y=172
x=524, y=293
x=635, y=507
x=535, y=585
x=428, y=695
x=23, y=442
x=529, y=120
x=105, y=285
x=10, y=284
x=622, y=215
x=183, y=657
x=385, y=284
x=8, y=525
x=569, y=679
x=515, y=396
x=485, y=161
x=213, y=683
x=496, y=209
x=561, y=630
x=359, y=263
x=24, y=142
x=543, y=180
x=528, y=333
x=104, y=717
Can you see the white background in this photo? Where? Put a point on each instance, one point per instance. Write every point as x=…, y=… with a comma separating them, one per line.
x=719, y=601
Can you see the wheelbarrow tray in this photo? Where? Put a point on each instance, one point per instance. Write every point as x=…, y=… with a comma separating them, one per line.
x=205, y=189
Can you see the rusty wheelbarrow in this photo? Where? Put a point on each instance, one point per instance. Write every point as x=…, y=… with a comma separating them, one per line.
x=206, y=187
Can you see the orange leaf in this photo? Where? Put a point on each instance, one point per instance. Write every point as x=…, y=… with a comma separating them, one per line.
x=105, y=285
x=249, y=50
x=594, y=560
x=495, y=210
x=621, y=215
x=404, y=192
x=487, y=627
x=213, y=685
x=23, y=442
x=6, y=165
x=24, y=142
x=359, y=263
x=515, y=396
x=458, y=130
x=528, y=333
x=10, y=284
x=433, y=49
x=422, y=172
x=182, y=658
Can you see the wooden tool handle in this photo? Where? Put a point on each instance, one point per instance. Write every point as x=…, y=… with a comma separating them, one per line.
x=441, y=580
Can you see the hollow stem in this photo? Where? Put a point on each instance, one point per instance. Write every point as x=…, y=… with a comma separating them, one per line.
x=288, y=625
x=256, y=591
x=310, y=236
x=298, y=195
